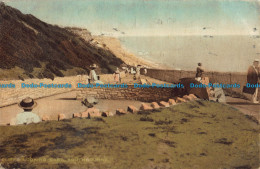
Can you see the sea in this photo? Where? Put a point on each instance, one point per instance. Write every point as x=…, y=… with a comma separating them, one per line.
x=216, y=53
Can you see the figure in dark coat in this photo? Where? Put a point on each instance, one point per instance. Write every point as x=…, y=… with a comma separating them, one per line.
x=253, y=78
x=252, y=75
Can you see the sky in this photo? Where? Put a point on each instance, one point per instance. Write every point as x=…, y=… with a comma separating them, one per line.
x=149, y=17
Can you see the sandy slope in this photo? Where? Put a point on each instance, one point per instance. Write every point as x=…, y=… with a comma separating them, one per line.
x=114, y=45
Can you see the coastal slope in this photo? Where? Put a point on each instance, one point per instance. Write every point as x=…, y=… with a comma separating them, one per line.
x=31, y=48
x=114, y=45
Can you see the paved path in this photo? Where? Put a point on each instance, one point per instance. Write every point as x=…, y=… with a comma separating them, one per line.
x=245, y=106
x=67, y=104
x=129, y=79
x=63, y=103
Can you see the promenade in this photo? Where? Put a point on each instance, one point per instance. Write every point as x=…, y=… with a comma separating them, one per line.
x=245, y=106
x=67, y=104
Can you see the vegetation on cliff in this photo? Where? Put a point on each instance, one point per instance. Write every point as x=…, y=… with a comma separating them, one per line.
x=30, y=48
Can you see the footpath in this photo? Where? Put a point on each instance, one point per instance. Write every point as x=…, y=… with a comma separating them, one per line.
x=245, y=106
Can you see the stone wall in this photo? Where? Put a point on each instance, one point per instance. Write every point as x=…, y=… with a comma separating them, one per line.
x=129, y=93
x=173, y=76
x=10, y=96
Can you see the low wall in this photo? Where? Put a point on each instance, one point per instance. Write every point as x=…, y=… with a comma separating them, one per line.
x=10, y=96
x=130, y=93
x=173, y=76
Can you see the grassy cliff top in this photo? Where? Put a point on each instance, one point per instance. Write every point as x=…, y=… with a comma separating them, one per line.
x=198, y=134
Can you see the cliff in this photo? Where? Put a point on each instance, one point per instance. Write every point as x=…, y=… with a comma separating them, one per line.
x=31, y=48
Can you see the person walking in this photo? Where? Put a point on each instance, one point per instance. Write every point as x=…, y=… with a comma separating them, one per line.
x=138, y=71
x=117, y=77
x=253, y=77
x=145, y=70
x=92, y=74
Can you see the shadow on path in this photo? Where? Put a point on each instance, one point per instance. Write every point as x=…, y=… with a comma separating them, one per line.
x=242, y=103
x=66, y=99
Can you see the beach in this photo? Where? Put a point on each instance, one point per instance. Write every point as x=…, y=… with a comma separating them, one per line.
x=115, y=46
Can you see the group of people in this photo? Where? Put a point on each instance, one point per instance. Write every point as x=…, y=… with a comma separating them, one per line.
x=94, y=78
x=215, y=94
x=27, y=104
x=253, y=77
x=136, y=71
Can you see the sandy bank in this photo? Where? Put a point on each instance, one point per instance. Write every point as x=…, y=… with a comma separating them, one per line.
x=114, y=45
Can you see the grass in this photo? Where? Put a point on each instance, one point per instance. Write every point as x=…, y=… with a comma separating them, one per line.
x=198, y=134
